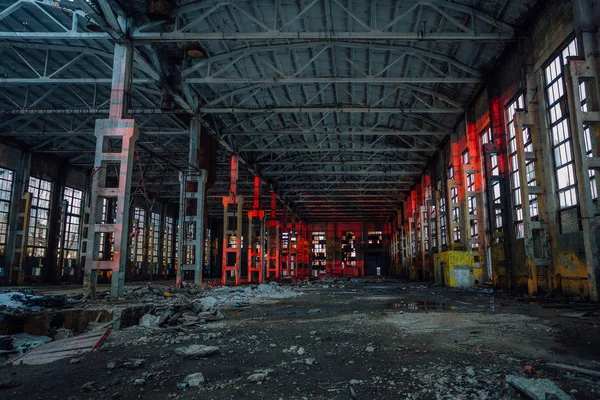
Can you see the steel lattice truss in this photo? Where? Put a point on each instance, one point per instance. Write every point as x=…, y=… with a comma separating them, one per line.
x=337, y=104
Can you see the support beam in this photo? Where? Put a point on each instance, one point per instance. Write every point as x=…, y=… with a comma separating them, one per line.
x=339, y=133
x=191, y=212
x=232, y=228
x=142, y=37
x=256, y=236
x=103, y=228
x=273, y=249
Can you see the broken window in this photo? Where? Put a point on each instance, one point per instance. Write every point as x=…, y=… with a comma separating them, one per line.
x=139, y=221
x=37, y=240
x=589, y=139
x=375, y=238
x=74, y=199
x=155, y=239
x=6, y=183
x=319, y=250
x=168, y=243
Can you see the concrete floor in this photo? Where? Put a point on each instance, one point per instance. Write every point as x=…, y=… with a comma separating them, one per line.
x=362, y=339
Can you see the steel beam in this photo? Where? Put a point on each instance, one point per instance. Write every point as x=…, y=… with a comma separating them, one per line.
x=145, y=37
x=353, y=162
x=45, y=80
x=340, y=133
x=342, y=173
x=338, y=150
x=327, y=109
x=371, y=80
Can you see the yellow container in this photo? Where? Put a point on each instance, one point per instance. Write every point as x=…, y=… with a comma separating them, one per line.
x=458, y=268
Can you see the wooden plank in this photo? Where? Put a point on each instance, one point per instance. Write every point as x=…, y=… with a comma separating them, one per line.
x=61, y=349
x=573, y=368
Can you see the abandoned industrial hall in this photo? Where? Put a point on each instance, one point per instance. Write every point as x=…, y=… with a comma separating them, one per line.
x=299, y=199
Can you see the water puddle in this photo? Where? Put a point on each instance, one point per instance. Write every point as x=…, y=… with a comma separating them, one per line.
x=422, y=305
x=427, y=305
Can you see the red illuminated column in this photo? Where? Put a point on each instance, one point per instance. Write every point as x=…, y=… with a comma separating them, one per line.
x=256, y=236
x=232, y=228
x=272, y=268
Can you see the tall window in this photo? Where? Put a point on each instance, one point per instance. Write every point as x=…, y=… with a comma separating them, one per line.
x=73, y=197
x=139, y=218
x=6, y=183
x=168, y=242
x=155, y=221
x=560, y=133
x=589, y=139
x=515, y=182
x=443, y=222
x=41, y=192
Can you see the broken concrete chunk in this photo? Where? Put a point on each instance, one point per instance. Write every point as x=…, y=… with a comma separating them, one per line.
x=194, y=380
x=150, y=321
x=196, y=350
x=537, y=389
x=208, y=303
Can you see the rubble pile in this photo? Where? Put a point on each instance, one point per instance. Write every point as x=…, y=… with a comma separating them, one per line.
x=19, y=303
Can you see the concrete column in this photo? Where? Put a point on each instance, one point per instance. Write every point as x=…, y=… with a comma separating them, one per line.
x=110, y=133
x=438, y=230
x=191, y=212
x=256, y=236
x=232, y=227
x=586, y=70
x=21, y=178
x=273, y=262
x=501, y=246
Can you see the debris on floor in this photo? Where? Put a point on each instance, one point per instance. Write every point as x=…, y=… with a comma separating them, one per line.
x=301, y=340
x=537, y=389
x=52, y=351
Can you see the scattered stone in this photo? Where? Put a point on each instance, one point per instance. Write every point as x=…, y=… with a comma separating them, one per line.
x=301, y=351
x=139, y=382
x=370, y=349
x=194, y=380
x=470, y=371
x=9, y=383
x=134, y=364
x=75, y=361
x=313, y=333
x=87, y=387
x=196, y=350
x=314, y=311
x=354, y=382
x=537, y=389
x=352, y=392
x=111, y=365
x=272, y=345
x=260, y=375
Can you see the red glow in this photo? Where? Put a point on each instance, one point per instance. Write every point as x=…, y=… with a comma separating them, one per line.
x=256, y=202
